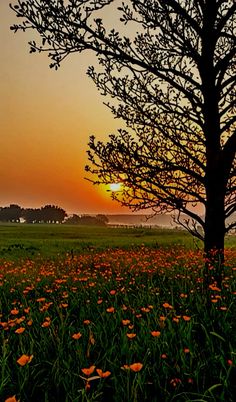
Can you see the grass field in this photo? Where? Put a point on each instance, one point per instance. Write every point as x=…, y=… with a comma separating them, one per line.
x=113, y=315
x=21, y=240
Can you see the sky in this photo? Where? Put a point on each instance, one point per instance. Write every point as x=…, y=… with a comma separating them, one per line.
x=46, y=118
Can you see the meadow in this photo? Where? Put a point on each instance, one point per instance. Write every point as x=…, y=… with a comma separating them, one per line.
x=104, y=314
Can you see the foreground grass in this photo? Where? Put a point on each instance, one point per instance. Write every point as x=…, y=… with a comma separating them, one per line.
x=117, y=325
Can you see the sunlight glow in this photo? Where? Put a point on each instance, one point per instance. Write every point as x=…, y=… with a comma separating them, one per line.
x=115, y=186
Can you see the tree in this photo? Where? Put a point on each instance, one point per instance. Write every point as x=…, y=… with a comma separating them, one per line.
x=52, y=214
x=11, y=213
x=174, y=86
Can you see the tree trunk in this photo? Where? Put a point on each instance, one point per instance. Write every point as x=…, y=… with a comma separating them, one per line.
x=214, y=235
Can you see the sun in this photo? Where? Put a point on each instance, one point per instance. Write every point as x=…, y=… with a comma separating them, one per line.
x=115, y=186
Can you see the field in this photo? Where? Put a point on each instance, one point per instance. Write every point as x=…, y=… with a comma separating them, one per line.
x=104, y=314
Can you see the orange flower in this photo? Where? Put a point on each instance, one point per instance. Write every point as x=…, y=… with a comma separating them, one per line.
x=88, y=371
x=30, y=322
x=26, y=310
x=136, y=367
x=77, y=336
x=130, y=335
x=167, y=305
x=112, y=292
x=24, y=359
x=14, y=311
x=155, y=333
x=20, y=330
x=186, y=350
x=125, y=322
x=99, y=301
x=103, y=374
x=110, y=309
x=87, y=322
x=41, y=299
x=186, y=318
x=11, y=399
x=46, y=324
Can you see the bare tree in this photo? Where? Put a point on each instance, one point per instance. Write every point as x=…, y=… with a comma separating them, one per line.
x=174, y=86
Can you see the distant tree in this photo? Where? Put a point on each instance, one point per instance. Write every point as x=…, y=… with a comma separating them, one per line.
x=73, y=220
x=103, y=219
x=10, y=214
x=91, y=220
x=52, y=214
x=173, y=83
x=32, y=215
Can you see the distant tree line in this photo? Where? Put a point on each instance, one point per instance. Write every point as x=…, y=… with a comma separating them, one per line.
x=47, y=214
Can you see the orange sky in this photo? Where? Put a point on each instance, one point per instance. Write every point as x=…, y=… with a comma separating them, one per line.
x=46, y=119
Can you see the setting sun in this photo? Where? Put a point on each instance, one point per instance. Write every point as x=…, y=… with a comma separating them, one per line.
x=115, y=186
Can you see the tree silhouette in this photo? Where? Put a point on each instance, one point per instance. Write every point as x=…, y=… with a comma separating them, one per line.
x=11, y=213
x=173, y=83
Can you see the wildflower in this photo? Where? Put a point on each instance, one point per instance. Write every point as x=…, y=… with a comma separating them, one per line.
x=186, y=350
x=230, y=362
x=20, y=330
x=11, y=399
x=112, y=292
x=24, y=359
x=136, y=367
x=131, y=335
x=214, y=300
x=167, y=305
x=14, y=311
x=186, y=318
x=145, y=310
x=103, y=374
x=110, y=310
x=175, y=319
x=29, y=323
x=41, y=299
x=88, y=371
x=46, y=323
x=163, y=356
x=125, y=322
x=86, y=322
x=77, y=336
x=99, y=301
x=155, y=333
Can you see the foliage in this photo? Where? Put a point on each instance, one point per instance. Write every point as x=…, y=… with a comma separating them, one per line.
x=116, y=325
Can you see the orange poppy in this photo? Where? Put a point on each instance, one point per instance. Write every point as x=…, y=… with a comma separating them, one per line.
x=88, y=371
x=103, y=374
x=11, y=399
x=155, y=333
x=130, y=335
x=24, y=359
x=110, y=310
x=186, y=318
x=167, y=305
x=87, y=322
x=125, y=322
x=136, y=367
x=77, y=336
x=14, y=311
x=20, y=330
x=112, y=292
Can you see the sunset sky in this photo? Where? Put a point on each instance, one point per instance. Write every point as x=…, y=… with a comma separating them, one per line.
x=46, y=120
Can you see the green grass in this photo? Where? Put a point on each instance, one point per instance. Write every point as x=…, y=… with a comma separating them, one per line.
x=53, y=294
x=19, y=240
